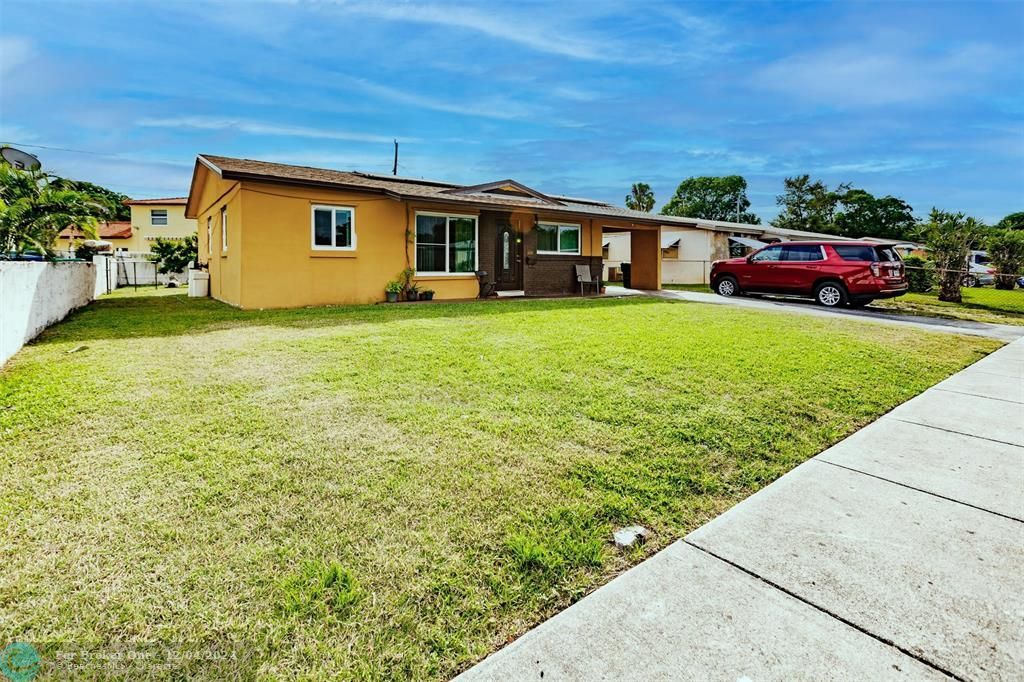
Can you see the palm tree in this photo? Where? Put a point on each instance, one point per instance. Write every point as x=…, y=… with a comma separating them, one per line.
x=34, y=209
x=640, y=198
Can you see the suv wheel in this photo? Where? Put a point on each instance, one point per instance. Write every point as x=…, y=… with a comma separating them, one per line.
x=830, y=294
x=726, y=286
x=969, y=281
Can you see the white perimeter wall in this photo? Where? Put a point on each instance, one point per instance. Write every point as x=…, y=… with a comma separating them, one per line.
x=34, y=295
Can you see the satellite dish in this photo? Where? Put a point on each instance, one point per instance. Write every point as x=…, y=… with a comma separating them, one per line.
x=19, y=159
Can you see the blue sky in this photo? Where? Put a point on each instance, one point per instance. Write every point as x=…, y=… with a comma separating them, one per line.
x=924, y=101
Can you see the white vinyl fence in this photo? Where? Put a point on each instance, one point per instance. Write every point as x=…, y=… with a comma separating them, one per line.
x=34, y=295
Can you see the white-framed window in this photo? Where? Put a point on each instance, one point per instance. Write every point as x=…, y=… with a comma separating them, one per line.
x=558, y=238
x=446, y=244
x=223, y=228
x=158, y=216
x=209, y=235
x=333, y=227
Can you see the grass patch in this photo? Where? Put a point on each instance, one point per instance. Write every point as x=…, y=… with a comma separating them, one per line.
x=702, y=288
x=396, y=491
x=980, y=304
x=320, y=590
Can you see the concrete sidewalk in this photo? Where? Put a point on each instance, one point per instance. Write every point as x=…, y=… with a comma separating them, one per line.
x=896, y=554
x=1003, y=332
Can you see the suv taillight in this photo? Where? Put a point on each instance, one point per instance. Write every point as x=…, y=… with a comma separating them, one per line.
x=876, y=269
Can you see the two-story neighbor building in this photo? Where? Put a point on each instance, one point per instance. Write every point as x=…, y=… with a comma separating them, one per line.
x=158, y=218
x=150, y=219
x=274, y=235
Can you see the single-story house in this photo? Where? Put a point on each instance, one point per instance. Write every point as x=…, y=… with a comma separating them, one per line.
x=117, y=232
x=690, y=245
x=275, y=235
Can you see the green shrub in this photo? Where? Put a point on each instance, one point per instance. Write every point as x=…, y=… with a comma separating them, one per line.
x=1006, y=249
x=84, y=252
x=920, y=274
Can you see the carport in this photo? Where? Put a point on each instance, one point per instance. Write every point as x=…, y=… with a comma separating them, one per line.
x=645, y=244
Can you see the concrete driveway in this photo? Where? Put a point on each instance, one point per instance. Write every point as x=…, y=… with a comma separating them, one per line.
x=895, y=554
x=1002, y=332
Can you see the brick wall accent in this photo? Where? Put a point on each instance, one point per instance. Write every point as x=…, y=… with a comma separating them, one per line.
x=555, y=275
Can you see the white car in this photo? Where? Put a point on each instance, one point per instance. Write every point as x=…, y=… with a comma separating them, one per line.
x=978, y=273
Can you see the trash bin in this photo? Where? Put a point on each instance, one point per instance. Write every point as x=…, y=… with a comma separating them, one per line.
x=627, y=280
x=198, y=283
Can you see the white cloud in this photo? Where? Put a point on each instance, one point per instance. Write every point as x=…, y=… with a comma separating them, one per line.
x=894, y=165
x=872, y=74
x=260, y=128
x=492, y=24
x=486, y=107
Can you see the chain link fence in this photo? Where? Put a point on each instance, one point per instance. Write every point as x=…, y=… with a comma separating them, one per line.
x=978, y=288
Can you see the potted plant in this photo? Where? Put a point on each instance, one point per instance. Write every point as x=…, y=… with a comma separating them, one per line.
x=601, y=286
x=392, y=289
x=412, y=292
x=427, y=294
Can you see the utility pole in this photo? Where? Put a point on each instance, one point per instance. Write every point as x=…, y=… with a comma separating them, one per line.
x=394, y=168
x=737, y=207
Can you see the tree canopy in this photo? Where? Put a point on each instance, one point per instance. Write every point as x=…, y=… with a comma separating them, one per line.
x=861, y=214
x=640, y=198
x=712, y=198
x=114, y=201
x=808, y=205
x=843, y=210
x=35, y=207
x=1014, y=221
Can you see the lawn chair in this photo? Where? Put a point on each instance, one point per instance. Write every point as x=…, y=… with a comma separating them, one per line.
x=584, y=277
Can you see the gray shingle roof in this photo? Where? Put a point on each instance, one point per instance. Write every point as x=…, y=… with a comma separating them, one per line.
x=441, y=192
x=409, y=188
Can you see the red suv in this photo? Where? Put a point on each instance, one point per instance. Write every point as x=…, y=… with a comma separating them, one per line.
x=834, y=273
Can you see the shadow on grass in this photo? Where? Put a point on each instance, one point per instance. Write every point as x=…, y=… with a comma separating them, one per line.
x=161, y=316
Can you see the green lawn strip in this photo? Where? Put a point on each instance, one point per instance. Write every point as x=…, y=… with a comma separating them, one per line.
x=980, y=304
x=395, y=491
x=702, y=288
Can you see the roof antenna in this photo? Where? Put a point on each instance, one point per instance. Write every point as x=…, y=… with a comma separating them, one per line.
x=394, y=169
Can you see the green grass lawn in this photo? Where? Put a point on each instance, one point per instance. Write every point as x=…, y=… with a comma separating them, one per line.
x=981, y=304
x=703, y=288
x=395, y=491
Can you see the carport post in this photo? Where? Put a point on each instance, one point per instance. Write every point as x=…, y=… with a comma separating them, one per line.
x=645, y=254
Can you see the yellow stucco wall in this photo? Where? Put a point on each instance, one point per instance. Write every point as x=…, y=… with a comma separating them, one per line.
x=280, y=268
x=225, y=267
x=144, y=233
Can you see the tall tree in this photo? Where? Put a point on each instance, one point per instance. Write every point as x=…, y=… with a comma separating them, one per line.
x=1014, y=221
x=640, y=198
x=949, y=237
x=34, y=209
x=113, y=201
x=712, y=198
x=808, y=205
x=861, y=214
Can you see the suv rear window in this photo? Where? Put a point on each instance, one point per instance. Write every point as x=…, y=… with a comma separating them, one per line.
x=887, y=254
x=855, y=252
